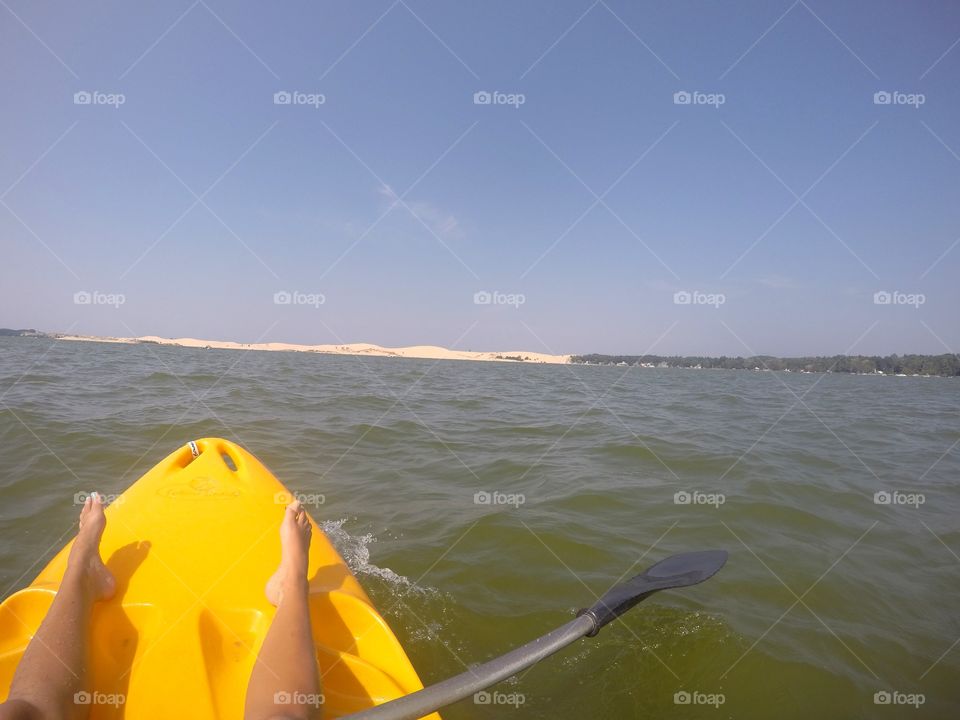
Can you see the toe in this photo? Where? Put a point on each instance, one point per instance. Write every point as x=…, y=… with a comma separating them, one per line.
x=292, y=513
x=85, y=510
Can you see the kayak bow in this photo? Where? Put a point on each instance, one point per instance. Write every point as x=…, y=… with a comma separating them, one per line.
x=191, y=544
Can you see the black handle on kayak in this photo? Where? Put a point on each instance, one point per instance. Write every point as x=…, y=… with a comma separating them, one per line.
x=676, y=571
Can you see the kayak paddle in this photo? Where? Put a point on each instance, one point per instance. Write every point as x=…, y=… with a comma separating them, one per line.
x=675, y=571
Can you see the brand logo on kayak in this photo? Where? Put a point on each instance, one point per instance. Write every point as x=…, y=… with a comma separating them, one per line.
x=684, y=97
x=99, y=698
x=484, y=97
x=95, y=297
x=895, y=497
x=305, y=499
x=695, y=497
x=295, y=97
x=201, y=487
x=895, y=97
x=698, y=698
x=695, y=297
x=882, y=297
x=499, y=498
x=282, y=697
x=499, y=698
x=81, y=497
x=495, y=297
x=95, y=97
x=884, y=697
x=295, y=297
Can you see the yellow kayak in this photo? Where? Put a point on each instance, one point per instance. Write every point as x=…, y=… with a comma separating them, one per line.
x=191, y=544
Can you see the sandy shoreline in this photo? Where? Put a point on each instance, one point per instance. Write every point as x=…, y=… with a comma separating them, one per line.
x=428, y=352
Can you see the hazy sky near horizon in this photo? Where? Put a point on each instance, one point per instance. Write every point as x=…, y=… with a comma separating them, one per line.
x=781, y=198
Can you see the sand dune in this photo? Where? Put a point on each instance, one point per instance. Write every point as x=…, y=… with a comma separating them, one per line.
x=430, y=352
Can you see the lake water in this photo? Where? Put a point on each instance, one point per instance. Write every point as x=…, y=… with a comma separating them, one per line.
x=828, y=597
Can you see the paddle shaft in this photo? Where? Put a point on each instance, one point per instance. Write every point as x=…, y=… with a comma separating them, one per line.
x=423, y=702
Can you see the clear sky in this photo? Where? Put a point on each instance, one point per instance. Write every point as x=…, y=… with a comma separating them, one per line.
x=782, y=197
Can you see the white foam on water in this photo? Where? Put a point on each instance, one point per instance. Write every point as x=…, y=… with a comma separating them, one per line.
x=429, y=607
x=355, y=550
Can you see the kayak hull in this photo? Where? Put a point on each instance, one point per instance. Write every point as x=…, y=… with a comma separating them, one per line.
x=191, y=544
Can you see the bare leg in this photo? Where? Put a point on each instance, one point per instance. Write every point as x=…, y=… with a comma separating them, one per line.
x=284, y=682
x=53, y=668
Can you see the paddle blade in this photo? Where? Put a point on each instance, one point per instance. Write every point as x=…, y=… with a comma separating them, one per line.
x=675, y=571
x=686, y=568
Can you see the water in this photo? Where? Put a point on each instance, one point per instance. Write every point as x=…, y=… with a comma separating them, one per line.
x=399, y=448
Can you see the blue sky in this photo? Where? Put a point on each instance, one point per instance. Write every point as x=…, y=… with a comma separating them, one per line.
x=782, y=211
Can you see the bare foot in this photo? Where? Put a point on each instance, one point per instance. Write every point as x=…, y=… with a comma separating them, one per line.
x=291, y=576
x=84, y=561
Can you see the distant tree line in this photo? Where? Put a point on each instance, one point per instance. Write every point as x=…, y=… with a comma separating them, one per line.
x=944, y=365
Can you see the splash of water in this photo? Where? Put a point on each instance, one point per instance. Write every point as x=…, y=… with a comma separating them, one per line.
x=355, y=550
x=419, y=601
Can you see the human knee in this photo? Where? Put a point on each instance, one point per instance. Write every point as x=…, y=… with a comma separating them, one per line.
x=16, y=709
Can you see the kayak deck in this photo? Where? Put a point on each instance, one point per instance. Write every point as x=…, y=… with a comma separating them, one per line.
x=191, y=545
